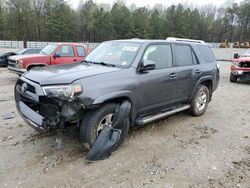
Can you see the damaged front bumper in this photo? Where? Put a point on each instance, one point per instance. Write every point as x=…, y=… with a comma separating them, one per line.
x=32, y=118
x=41, y=112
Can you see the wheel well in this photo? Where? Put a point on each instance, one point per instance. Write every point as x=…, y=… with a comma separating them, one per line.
x=37, y=65
x=120, y=100
x=209, y=84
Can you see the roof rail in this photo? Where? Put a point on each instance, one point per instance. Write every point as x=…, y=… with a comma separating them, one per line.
x=184, y=40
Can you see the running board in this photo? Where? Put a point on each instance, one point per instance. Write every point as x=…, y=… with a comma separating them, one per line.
x=145, y=120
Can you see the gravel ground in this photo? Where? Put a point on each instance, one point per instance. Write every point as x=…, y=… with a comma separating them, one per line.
x=181, y=151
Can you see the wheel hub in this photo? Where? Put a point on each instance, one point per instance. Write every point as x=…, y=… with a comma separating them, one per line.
x=107, y=120
x=201, y=101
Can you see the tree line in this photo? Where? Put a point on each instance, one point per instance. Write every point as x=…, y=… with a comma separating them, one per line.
x=56, y=20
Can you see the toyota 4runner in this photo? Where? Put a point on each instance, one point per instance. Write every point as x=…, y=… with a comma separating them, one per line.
x=158, y=78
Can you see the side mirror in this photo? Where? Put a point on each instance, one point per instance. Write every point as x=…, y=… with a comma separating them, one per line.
x=236, y=56
x=56, y=56
x=147, y=65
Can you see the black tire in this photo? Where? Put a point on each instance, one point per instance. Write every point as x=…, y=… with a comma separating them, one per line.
x=90, y=122
x=233, y=78
x=194, y=110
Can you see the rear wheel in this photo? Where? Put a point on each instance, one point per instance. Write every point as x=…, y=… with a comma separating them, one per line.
x=200, y=101
x=233, y=78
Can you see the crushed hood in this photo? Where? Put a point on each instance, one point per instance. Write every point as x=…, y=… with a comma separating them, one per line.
x=65, y=74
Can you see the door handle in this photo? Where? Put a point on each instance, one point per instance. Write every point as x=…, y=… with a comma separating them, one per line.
x=197, y=71
x=173, y=76
x=75, y=60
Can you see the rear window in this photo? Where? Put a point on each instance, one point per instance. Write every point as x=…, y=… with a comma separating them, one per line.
x=206, y=53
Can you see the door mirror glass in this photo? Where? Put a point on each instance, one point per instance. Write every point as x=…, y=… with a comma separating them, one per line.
x=148, y=65
x=236, y=56
x=56, y=55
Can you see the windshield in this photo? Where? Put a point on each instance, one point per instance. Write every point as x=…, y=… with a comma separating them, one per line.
x=20, y=52
x=116, y=53
x=49, y=49
x=246, y=53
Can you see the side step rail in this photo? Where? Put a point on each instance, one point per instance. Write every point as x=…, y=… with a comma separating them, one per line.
x=145, y=120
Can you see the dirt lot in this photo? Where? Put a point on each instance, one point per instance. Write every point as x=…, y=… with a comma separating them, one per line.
x=182, y=151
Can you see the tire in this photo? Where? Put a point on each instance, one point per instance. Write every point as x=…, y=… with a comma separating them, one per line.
x=200, y=101
x=89, y=125
x=233, y=78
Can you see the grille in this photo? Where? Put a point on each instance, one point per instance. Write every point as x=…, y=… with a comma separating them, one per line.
x=29, y=87
x=11, y=61
x=244, y=64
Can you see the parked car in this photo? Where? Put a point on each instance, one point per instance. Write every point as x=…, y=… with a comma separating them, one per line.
x=4, y=57
x=52, y=54
x=158, y=78
x=240, y=68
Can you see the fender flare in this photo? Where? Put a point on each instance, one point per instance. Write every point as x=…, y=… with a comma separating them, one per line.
x=206, y=78
x=120, y=94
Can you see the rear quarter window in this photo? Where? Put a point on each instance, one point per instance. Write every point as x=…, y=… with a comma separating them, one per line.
x=206, y=53
x=80, y=51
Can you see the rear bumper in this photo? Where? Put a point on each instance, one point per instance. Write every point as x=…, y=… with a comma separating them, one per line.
x=16, y=70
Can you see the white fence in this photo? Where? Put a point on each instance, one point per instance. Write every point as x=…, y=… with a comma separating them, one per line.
x=35, y=44
x=11, y=44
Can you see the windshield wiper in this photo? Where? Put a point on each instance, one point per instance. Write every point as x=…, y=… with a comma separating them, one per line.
x=88, y=62
x=104, y=64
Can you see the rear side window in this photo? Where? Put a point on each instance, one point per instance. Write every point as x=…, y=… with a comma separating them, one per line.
x=206, y=53
x=80, y=51
x=183, y=55
x=66, y=51
x=161, y=54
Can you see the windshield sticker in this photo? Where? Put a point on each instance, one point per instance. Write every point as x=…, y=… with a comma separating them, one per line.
x=130, y=48
x=124, y=63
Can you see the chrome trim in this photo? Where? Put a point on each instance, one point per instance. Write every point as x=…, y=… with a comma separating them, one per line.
x=164, y=114
x=16, y=70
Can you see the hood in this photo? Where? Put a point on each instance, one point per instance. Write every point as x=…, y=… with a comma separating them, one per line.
x=28, y=56
x=66, y=74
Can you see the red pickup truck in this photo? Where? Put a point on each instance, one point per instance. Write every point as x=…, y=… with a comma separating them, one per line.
x=52, y=54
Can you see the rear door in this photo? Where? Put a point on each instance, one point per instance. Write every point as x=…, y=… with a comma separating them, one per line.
x=157, y=87
x=186, y=69
x=64, y=55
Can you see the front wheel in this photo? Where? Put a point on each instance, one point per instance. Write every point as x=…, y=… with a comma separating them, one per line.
x=233, y=78
x=200, y=101
x=94, y=121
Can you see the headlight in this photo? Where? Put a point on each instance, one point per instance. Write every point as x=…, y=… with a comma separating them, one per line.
x=65, y=92
x=19, y=64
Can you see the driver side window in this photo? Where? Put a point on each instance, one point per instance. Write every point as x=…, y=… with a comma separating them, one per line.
x=160, y=54
x=65, y=51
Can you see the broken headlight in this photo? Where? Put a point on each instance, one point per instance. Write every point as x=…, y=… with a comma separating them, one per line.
x=65, y=92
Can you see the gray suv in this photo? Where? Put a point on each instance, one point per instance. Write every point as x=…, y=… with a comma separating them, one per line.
x=158, y=78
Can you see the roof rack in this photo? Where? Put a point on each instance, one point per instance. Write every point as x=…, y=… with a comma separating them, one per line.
x=184, y=40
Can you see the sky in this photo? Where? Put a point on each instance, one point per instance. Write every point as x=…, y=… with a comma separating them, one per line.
x=151, y=3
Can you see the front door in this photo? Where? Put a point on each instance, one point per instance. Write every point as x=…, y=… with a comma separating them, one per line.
x=157, y=87
x=65, y=54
